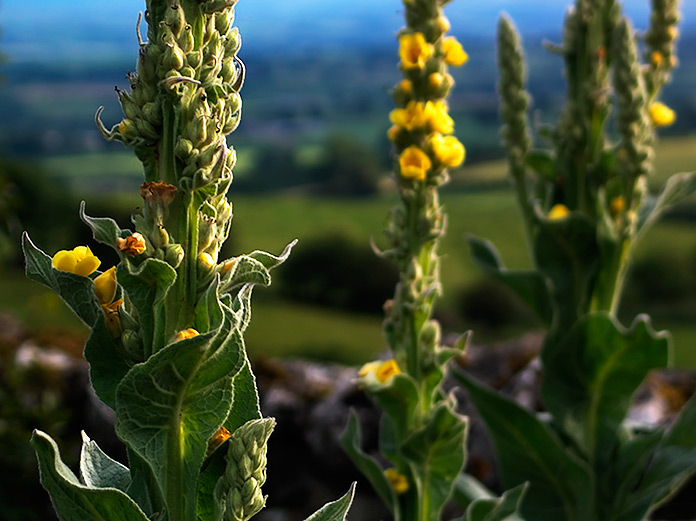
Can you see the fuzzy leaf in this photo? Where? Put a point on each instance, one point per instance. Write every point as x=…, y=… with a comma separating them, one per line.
x=104, y=229
x=97, y=470
x=504, y=508
x=74, y=501
x=271, y=261
x=398, y=399
x=439, y=447
x=673, y=462
x=245, y=400
x=566, y=252
x=677, y=188
x=76, y=291
x=106, y=365
x=336, y=510
x=529, y=285
x=591, y=376
x=168, y=407
x=146, y=286
x=560, y=484
x=368, y=466
x=543, y=163
x=468, y=489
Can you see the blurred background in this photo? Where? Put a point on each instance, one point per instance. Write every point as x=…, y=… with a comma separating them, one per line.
x=314, y=164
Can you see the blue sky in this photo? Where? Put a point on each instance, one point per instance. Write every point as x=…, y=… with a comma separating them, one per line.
x=94, y=28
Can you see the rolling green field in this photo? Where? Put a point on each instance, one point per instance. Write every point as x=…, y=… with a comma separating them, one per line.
x=269, y=222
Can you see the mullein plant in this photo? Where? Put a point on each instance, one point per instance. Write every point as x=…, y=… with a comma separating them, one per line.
x=422, y=437
x=585, y=203
x=166, y=349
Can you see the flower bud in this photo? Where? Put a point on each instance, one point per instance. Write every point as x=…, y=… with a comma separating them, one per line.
x=133, y=245
x=173, y=255
x=105, y=286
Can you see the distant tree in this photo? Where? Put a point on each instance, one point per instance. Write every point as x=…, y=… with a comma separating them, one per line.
x=346, y=167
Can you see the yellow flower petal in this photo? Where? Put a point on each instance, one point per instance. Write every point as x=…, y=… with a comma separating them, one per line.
x=186, y=333
x=65, y=260
x=661, y=114
x=206, y=260
x=438, y=117
x=448, y=150
x=617, y=205
x=80, y=261
x=414, y=50
x=398, y=481
x=454, y=52
x=368, y=368
x=132, y=245
x=386, y=370
x=414, y=163
x=558, y=212
x=105, y=286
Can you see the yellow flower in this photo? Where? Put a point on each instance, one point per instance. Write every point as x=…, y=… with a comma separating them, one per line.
x=617, y=205
x=661, y=114
x=393, y=132
x=399, y=482
x=657, y=58
x=105, y=286
x=454, y=52
x=206, y=260
x=386, y=370
x=438, y=117
x=414, y=116
x=414, y=163
x=435, y=80
x=370, y=367
x=414, y=50
x=558, y=212
x=448, y=150
x=186, y=333
x=218, y=438
x=443, y=24
x=382, y=370
x=405, y=86
x=80, y=261
x=132, y=245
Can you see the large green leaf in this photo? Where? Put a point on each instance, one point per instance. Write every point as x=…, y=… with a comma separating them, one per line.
x=560, y=485
x=76, y=291
x=336, y=510
x=672, y=463
x=350, y=441
x=146, y=286
x=168, y=407
x=398, y=398
x=566, y=251
x=74, y=501
x=590, y=377
x=504, y=508
x=97, y=470
x=438, y=449
x=107, y=365
x=529, y=285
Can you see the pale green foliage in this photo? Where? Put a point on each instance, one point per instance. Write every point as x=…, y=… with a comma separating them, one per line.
x=584, y=461
x=168, y=354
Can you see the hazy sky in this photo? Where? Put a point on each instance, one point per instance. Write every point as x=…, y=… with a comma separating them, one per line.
x=89, y=27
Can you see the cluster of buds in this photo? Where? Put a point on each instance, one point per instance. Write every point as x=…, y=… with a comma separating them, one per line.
x=660, y=42
x=239, y=490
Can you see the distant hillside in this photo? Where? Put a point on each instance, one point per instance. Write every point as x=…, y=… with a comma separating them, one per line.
x=94, y=30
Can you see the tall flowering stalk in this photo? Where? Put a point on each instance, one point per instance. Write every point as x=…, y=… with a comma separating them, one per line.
x=166, y=349
x=585, y=203
x=422, y=438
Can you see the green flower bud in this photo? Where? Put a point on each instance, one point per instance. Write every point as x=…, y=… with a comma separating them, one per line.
x=194, y=58
x=173, y=255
